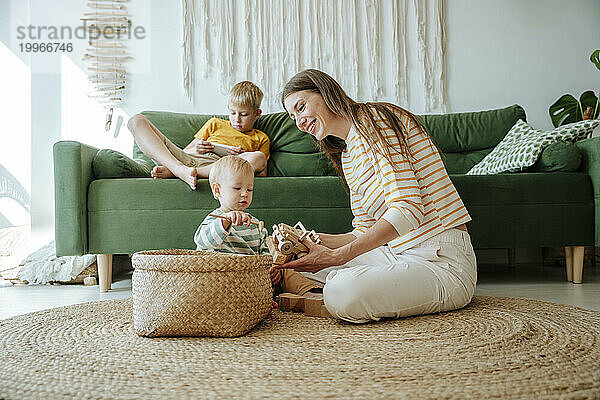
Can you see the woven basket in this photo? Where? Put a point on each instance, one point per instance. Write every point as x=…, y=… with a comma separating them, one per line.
x=199, y=293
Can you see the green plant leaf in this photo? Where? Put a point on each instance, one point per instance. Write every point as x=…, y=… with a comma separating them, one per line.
x=595, y=58
x=565, y=111
x=589, y=99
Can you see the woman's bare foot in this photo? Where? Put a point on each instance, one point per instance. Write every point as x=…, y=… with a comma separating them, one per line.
x=161, y=172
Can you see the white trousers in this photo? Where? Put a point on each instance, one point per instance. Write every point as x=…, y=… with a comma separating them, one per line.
x=437, y=275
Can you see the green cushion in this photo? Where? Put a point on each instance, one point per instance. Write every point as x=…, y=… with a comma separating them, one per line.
x=459, y=132
x=466, y=138
x=119, y=208
x=523, y=145
x=559, y=156
x=460, y=163
x=284, y=134
x=528, y=209
x=109, y=163
x=292, y=164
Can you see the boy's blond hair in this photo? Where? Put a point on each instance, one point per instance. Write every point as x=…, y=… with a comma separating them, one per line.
x=229, y=166
x=245, y=94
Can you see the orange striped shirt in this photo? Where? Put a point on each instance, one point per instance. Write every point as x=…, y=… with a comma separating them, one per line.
x=415, y=195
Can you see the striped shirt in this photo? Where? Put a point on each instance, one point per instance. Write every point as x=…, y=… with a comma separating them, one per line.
x=415, y=195
x=238, y=239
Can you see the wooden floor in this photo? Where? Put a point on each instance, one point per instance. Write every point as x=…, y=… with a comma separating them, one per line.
x=525, y=280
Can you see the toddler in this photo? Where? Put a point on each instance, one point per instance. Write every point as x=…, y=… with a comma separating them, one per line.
x=229, y=229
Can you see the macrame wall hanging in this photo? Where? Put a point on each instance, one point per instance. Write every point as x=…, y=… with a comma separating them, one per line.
x=108, y=26
x=268, y=41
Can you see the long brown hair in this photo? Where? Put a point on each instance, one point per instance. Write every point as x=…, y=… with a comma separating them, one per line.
x=365, y=117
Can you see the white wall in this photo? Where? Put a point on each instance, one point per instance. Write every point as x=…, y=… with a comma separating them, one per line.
x=499, y=52
x=529, y=52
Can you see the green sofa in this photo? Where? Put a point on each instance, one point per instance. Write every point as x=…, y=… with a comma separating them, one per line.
x=106, y=204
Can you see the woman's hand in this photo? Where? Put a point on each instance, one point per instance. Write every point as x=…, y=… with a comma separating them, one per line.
x=203, y=146
x=318, y=258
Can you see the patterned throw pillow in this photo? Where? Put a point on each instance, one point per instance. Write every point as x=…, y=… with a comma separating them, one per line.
x=522, y=146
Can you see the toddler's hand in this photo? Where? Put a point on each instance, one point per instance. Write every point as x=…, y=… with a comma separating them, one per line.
x=203, y=147
x=239, y=218
x=275, y=275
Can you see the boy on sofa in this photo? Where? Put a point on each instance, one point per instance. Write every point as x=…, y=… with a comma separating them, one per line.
x=229, y=229
x=196, y=159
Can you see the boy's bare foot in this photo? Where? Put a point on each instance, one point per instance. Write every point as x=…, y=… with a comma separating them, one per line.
x=161, y=172
x=187, y=174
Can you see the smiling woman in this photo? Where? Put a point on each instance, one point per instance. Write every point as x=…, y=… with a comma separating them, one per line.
x=409, y=252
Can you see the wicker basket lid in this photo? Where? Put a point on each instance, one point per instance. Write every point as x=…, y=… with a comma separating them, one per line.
x=180, y=260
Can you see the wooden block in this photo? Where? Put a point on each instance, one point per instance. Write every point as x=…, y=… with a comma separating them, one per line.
x=313, y=295
x=312, y=304
x=290, y=302
x=270, y=244
x=312, y=307
x=315, y=238
x=279, y=258
x=324, y=312
x=89, y=281
x=300, y=248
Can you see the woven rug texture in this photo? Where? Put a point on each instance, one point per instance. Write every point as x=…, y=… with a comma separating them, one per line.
x=494, y=348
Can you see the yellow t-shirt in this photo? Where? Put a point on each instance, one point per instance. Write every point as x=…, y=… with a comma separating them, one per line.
x=220, y=131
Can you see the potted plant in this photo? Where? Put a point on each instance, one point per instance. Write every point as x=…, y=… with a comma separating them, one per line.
x=568, y=109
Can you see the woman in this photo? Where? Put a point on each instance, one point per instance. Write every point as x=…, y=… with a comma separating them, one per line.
x=409, y=252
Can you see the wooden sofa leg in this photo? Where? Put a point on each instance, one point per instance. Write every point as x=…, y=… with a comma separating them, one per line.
x=569, y=262
x=578, y=255
x=105, y=271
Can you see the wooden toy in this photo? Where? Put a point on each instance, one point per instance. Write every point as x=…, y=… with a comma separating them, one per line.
x=228, y=219
x=311, y=304
x=324, y=312
x=290, y=302
x=89, y=281
x=287, y=242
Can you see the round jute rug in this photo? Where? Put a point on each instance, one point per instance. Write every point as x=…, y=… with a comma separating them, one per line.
x=495, y=347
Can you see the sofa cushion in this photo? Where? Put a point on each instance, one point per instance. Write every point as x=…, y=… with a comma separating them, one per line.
x=559, y=156
x=523, y=145
x=528, y=209
x=283, y=163
x=462, y=132
x=120, y=208
x=284, y=134
x=466, y=138
x=109, y=163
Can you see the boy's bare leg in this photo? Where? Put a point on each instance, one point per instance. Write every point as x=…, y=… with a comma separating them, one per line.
x=202, y=172
x=258, y=161
x=152, y=143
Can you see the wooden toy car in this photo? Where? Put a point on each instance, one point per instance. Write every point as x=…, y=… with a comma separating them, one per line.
x=286, y=242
